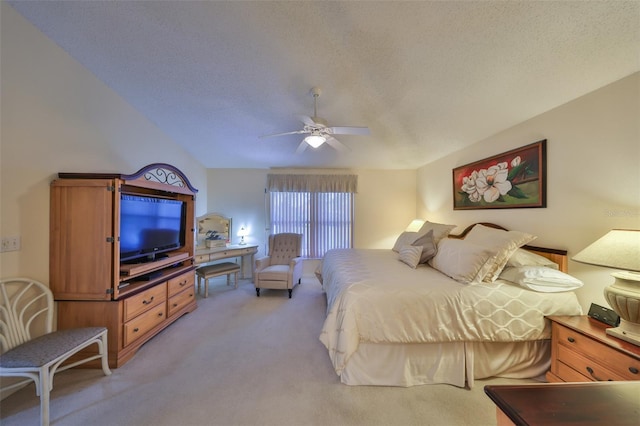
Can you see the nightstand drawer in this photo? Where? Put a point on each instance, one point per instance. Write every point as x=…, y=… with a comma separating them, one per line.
x=585, y=366
x=622, y=366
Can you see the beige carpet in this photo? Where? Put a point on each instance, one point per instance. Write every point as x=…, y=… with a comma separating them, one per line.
x=243, y=360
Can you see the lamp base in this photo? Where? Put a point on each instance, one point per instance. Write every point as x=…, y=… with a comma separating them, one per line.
x=627, y=331
x=624, y=297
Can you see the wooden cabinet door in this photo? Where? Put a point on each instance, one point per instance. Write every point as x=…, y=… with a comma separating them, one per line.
x=82, y=241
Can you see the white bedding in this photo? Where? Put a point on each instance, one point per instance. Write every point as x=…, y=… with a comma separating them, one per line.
x=372, y=297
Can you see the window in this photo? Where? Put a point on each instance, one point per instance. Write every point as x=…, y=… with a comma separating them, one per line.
x=318, y=207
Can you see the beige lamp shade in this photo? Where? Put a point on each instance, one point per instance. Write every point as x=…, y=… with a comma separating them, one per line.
x=619, y=249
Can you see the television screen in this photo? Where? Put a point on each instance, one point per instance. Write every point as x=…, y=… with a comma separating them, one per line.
x=149, y=226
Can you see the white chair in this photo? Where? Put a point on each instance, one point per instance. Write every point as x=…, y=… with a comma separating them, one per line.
x=26, y=310
x=282, y=267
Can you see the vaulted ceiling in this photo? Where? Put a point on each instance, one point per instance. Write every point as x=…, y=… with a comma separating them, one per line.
x=427, y=78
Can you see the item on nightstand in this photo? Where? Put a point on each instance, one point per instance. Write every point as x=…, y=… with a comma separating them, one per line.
x=605, y=315
x=620, y=249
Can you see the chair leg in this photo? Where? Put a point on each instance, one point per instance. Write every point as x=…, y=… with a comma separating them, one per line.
x=235, y=279
x=105, y=354
x=258, y=292
x=45, y=390
x=290, y=291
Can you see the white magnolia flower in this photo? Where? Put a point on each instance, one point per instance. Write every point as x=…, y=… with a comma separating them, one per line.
x=516, y=161
x=469, y=186
x=492, y=183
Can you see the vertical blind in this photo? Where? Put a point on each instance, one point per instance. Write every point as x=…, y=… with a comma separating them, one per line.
x=320, y=207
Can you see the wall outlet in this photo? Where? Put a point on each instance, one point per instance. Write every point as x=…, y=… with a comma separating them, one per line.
x=10, y=244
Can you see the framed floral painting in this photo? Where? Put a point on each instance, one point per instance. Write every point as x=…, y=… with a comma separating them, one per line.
x=513, y=179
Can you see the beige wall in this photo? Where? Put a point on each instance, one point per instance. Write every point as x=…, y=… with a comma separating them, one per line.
x=56, y=116
x=593, y=177
x=384, y=205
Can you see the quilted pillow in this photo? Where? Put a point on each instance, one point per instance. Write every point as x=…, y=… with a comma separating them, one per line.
x=405, y=239
x=502, y=243
x=427, y=245
x=411, y=255
x=522, y=257
x=541, y=279
x=461, y=260
x=440, y=230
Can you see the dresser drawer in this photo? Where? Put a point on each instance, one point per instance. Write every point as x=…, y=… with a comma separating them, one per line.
x=622, y=366
x=140, y=325
x=585, y=366
x=178, y=284
x=202, y=258
x=180, y=300
x=135, y=305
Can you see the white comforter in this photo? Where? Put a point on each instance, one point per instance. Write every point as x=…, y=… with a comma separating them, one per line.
x=374, y=297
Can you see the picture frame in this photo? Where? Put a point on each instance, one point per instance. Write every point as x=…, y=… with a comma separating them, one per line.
x=513, y=179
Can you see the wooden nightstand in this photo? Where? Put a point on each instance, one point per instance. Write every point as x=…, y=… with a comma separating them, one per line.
x=581, y=351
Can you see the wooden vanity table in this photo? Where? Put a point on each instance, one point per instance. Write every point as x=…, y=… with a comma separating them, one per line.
x=222, y=227
x=246, y=253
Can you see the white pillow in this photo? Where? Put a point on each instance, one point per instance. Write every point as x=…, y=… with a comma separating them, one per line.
x=461, y=260
x=502, y=243
x=405, y=239
x=541, y=279
x=522, y=257
x=440, y=230
x=411, y=255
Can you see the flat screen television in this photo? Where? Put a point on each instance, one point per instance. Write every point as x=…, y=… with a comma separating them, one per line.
x=150, y=226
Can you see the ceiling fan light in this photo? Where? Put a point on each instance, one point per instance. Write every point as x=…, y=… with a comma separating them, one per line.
x=315, y=140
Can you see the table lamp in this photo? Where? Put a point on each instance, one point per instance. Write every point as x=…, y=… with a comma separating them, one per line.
x=620, y=249
x=242, y=233
x=415, y=225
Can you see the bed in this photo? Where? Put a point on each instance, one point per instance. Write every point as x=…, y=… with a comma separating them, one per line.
x=393, y=322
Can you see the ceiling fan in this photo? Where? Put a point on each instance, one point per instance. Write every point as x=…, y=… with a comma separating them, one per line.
x=318, y=130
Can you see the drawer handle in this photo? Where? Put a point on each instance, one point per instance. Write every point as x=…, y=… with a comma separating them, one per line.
x=590, y=370
x=183, y=283
x=175, y=304
x=633, y=370
x=159, y=314
x=135, y=330
x=571, y=339
x=146, y=302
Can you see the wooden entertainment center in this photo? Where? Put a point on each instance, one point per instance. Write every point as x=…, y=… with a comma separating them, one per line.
x=91, y=284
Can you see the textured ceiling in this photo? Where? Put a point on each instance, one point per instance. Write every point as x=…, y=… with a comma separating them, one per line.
x=428, y=78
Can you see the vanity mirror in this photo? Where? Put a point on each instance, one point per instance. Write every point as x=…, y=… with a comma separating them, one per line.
x=214, y=230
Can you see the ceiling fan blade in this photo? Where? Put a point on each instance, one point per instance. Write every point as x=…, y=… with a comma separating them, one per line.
x=302, y=147
x=350, y=130
x=306, y=120
x=336, y=144
x=296, y=132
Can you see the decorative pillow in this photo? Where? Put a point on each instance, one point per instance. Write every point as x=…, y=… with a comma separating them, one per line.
x=541, y=279
x=405, y=239
x=502, y=243
x=411, y=255
x=522, y=257
x=440, y=230
x=461, y=260
x=427, y=245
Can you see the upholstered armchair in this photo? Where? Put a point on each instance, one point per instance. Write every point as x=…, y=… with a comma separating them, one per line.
x=282, y=267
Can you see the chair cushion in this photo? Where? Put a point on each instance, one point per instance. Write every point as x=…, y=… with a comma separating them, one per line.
x=46, y=348
x=274, y=273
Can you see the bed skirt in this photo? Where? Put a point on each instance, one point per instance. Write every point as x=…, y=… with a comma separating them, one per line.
x=457, y=363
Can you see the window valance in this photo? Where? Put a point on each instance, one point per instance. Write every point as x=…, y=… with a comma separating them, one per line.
x=312, y=183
